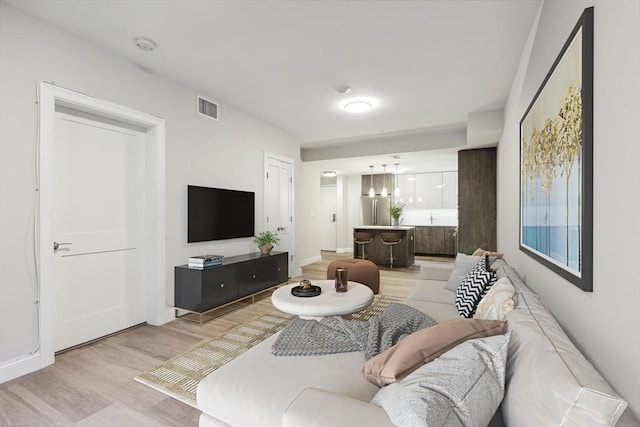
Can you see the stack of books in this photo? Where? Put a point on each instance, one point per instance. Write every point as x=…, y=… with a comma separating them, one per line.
x=203, y=261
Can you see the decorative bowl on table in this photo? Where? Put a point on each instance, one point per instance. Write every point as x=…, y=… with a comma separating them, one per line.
x=306, y=289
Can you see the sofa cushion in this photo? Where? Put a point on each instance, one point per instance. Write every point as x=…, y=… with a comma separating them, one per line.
x=438, y=311
x=472, y=289
x=319, y=408
x=461, y=268
x=549, y=382
x=463, y=387
x=425, y=345
x=436, y=270
x=257, y=387
x=498, y=302
x=431, y=290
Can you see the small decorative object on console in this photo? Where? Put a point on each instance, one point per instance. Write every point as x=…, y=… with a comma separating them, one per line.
x=341, y=279
x=203, y=261
x=265, y=241
x=306, y=289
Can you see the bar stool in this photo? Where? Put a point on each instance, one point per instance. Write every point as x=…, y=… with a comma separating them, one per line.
x=362, y=238
x=391, y=239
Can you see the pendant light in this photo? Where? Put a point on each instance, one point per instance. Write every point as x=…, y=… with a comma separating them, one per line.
x=384, y=192
x=396, y=191
x=372, y=192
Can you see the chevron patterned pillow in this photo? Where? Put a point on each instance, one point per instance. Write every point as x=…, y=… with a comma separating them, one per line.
x=473, y=288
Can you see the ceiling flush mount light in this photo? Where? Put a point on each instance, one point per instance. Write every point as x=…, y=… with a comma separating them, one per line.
x=145, y=44
x=384, y=192
x=372, y=192
x=358, y=106
x=329, y=174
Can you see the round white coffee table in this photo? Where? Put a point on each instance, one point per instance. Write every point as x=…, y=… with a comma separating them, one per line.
x=328, y=303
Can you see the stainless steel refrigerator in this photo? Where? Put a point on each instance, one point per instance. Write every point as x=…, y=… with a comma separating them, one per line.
x=375, y=210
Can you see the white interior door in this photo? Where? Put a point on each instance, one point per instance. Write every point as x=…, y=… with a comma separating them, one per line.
x=329, y=205
x=98, y=224
x=278, y=202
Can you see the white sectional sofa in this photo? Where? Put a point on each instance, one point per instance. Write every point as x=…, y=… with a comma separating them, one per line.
x=548, y=381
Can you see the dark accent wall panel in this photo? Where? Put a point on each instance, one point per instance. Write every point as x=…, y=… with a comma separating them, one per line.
x=477, y=199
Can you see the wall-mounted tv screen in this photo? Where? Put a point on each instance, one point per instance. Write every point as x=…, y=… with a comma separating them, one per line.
x=217, y=214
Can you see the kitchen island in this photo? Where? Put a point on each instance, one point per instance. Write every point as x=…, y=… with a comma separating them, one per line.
x=378, y=253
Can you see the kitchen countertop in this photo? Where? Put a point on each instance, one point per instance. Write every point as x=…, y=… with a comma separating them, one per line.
x=385, y=227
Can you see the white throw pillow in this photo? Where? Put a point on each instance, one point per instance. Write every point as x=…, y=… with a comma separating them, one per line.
x=461, y=268
x=463, y=387
x=498, y=302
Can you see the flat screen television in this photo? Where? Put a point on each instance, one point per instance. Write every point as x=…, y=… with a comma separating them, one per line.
x=218, y=214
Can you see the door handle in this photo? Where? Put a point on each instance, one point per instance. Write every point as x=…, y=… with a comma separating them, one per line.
x=333, y=217
x=281, y=228
x=57, y=245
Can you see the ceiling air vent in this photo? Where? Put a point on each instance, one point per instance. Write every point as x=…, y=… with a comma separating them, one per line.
x=207, y=108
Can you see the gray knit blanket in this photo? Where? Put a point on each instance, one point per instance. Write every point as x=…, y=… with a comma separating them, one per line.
x=336, y=335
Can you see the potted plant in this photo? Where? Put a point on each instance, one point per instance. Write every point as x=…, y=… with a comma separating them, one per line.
x=396, y=212
x=265, y=241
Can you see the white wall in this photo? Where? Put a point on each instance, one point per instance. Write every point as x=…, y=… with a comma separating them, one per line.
x=603, y=324
x=308, y=211
x=341, y=218
x=199, y=151
x=353, y=207
x=349, y=207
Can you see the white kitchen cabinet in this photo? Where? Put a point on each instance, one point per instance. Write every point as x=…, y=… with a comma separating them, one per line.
x=434, y=190
x=450, y=190
x=421, y=191
x=406, y=185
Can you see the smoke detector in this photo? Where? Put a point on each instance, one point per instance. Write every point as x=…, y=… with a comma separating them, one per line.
x=145, y=44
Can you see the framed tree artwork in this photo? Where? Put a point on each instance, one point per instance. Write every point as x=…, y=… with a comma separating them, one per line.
x=556, y=163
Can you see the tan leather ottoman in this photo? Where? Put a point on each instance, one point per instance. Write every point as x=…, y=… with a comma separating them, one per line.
x=358, y=270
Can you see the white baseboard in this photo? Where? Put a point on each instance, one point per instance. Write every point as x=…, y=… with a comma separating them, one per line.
x=18, y=367
x=169, y=315
x=310, y=260
x=344, y=250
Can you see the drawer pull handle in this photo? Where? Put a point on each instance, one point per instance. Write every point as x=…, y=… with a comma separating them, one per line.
x=222, y=285
x=254, y=276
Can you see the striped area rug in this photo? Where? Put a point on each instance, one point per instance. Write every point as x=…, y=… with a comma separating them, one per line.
x=179, y=377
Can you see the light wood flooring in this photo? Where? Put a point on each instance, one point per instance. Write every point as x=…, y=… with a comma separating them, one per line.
x=93, y=385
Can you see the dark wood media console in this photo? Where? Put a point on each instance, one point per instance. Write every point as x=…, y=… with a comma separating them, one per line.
x=239, y=277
